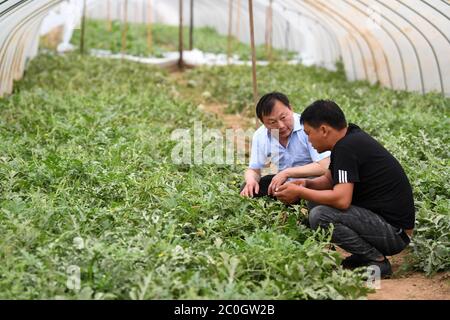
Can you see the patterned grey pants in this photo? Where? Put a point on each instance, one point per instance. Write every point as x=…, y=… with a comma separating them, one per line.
x=359, y=231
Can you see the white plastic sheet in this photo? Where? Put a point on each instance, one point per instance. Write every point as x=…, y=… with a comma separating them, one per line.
x=402, y=44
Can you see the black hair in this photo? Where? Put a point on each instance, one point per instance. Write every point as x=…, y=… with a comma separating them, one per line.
x=324, y=111
x=267, y=101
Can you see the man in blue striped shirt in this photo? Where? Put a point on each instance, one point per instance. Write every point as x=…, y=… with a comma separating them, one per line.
x=281, y=139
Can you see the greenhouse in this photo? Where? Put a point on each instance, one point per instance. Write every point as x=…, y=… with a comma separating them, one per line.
x=137, y=157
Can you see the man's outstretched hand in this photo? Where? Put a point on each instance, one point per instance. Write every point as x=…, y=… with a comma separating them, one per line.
x=251, y=188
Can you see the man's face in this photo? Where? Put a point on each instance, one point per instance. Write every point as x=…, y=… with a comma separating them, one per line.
x=317, y=137
x=281, y=118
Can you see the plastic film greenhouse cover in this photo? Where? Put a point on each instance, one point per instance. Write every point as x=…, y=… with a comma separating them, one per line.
x=400, y=44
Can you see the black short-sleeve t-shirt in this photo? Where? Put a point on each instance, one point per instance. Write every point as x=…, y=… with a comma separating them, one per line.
x=380, y=183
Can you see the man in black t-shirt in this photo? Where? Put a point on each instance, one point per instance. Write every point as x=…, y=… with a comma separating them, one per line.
x=365, y=194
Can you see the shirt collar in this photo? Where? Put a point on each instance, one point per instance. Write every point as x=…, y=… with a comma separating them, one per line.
x=297, y=124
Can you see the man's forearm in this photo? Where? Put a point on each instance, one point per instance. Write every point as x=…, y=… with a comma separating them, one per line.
x=326, y=197
x=315, y=169
x=252, y=174
x=319, y=183
x=310, y=170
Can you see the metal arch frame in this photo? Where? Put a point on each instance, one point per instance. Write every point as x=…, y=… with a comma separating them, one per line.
x=355, y=42
x=386, y=60
x=18, y=50
x=350, y=51
x=18, y=64
x=328, y=55
x=326, y=28
x=12, y=7
x=335, y=45
x=322, y=48
x=438, y=30
x=288, y=31
x=405, y=82
x=300, y=14
x=368, y=44
x=244, y=6
x=319, y=23
x=325, y=24
x=428, y=4
x=277, y=24
x=202, y=5
x=416, y=54
x=18, y=26
x=4, y=49
x=358, y=44
x=338, y=46
x=334, y=53
x=424, y=37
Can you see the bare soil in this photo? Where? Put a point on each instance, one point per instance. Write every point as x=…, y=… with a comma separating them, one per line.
x=409, y=285
x=412, y=285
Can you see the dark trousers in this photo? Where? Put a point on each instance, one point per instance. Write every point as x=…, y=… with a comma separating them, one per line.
x=359, y=231
x=264, y=184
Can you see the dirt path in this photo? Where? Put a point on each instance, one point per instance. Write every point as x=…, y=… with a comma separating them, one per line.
x=403, y=285
x=196, y=95
x=415, y=286
x=230, y=121
x=412, y=285
x=408, y=285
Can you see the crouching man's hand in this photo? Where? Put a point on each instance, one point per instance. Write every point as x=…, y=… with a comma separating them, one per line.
x=276, y=182
x=289, y=193
x=251, y=188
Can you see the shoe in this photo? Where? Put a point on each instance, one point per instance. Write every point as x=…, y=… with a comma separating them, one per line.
x=384, y=267
x=354, y=261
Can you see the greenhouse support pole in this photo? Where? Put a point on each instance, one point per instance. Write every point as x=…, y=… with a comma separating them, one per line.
x=270, y=31
x=136, y=13
x=238, y=18
x=149, y=26
x=108, y=15
x=83, y=27
x=287, y=33
x=180, y=37
x=252, y=42
x=230, y=29
x=266, y=29
x=191, y=26
x=125, y=27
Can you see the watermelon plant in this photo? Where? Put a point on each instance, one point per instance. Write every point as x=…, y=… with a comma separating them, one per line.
x=93, y=207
